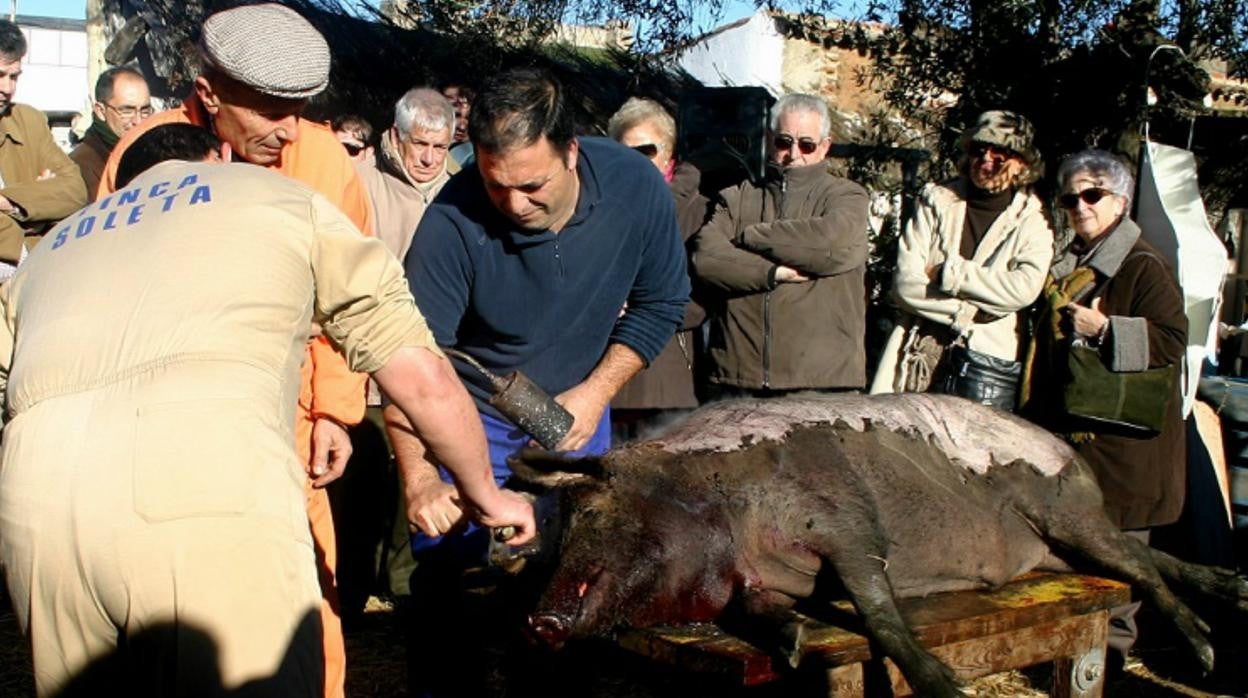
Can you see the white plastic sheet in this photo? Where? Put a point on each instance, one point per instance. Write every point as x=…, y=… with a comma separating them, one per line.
x=1172, y=216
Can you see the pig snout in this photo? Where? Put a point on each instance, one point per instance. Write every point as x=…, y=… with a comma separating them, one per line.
x=552, y=628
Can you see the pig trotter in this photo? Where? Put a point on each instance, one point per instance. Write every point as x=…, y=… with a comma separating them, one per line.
x=1221, y=584
x=1130, y=560
x=767, y=619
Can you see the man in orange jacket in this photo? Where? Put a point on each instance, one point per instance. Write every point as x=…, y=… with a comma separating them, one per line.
x=261, y=64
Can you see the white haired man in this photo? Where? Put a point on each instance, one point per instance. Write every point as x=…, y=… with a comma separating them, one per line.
x=787, y=259
x=411, y=165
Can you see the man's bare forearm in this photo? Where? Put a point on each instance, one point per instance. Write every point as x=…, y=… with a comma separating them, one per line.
x=617, y=366
x=409, y=451
x=424, y=387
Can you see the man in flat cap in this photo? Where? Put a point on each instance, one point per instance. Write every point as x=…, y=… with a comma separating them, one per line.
x=152, y=524
x=261, y=63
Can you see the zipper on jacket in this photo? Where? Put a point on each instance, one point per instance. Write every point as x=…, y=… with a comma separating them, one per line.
x=779, y=213
x=767, y=340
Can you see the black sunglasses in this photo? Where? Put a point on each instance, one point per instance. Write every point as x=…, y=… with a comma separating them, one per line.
x=1091, y=196
x=981, y=150
x=784, y=142
x=647, y=149
x=353, y=149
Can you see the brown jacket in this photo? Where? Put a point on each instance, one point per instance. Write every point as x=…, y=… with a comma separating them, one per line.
x=26, y=150
x=668, y=383
x=1144, y=479
x=91, y=155
x=786, y=336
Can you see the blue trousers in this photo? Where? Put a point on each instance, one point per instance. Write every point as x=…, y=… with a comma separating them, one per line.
x=471, y=545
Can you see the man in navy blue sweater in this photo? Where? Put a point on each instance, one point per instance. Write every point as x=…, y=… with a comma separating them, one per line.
x=557, y=256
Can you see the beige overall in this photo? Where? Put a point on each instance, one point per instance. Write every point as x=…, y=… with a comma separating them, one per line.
x=150, y=496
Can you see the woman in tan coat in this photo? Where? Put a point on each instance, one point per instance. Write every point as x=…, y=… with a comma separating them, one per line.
x=971, y=259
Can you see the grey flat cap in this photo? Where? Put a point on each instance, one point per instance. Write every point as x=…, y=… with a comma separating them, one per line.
x=270, y=48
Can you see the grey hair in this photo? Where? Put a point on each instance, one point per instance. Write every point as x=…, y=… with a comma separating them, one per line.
x=802, y=102
x=1109, y=171
x=423, y=107
x=638, y=110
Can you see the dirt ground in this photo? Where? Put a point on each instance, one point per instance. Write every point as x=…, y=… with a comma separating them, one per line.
x=376, y=666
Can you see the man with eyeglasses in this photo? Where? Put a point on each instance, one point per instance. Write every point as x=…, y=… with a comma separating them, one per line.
x=787, y=260
x=39, y=184
x=460, y=97
x=261, y=65
x=122, y=100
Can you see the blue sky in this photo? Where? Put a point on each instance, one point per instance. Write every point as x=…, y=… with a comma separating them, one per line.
x=73, y=9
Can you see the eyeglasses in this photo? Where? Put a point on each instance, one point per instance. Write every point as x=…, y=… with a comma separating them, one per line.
x=130, y=112
x=354, y=149
x=647, y=149
x=784, y=142
x=1090, y=196
x=983, y=150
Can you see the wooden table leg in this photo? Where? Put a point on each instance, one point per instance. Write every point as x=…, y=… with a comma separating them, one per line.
x=1082, y=675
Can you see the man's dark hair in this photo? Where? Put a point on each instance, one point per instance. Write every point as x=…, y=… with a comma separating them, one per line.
x=12, y=41
x=107, y=81
x=165, y=142
x=355, y=124
x=516, y=108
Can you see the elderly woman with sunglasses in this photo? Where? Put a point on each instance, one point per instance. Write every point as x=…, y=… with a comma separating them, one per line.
x=668, y=383
x=972, y=258
x=1110, y=289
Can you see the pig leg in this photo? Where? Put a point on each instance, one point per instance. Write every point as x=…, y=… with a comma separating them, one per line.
x=767, y=619
x=872, y=594
x=852, y=543
x=1103, y=545
x=1223, y=585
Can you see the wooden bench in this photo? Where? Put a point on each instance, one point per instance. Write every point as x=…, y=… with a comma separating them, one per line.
x=1062, y=619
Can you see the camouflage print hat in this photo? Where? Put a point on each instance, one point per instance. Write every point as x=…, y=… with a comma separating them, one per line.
x=1008, y=130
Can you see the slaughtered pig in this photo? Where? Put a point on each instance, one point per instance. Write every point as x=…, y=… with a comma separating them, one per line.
x=747, y=503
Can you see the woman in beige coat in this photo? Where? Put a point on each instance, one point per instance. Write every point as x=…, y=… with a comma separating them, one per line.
x=974, y=255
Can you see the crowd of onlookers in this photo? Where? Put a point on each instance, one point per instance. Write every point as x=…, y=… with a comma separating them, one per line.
x=602, y=269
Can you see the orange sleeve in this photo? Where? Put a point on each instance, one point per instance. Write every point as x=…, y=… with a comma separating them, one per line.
x=336, y=391
x=108, y=180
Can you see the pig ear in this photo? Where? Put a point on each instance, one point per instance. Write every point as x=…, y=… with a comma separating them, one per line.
x=552, y=470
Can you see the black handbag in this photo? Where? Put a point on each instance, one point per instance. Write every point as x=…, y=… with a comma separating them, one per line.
x=1131, y=401
x=977, y=376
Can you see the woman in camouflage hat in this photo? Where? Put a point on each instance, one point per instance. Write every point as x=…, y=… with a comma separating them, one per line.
x=973, y=256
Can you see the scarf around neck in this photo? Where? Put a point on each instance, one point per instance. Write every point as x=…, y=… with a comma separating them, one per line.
x=103, y=132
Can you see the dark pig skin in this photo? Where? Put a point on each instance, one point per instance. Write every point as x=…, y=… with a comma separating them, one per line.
x=747, y=503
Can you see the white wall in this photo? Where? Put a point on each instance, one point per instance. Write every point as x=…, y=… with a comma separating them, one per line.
x=54, y=73
x=751, y=53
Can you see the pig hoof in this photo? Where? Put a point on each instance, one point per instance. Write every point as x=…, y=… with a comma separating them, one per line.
x=552, y=628
x=794, y=644
x=1204, y=653
x=934, y=678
